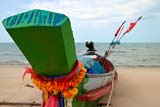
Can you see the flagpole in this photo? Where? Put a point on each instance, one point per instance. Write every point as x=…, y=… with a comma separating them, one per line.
x=129, y=29
x=117, y=35
x=121, y=30
x=113, y=46
x=107, y=51
x=132, y=25
x=121, y=37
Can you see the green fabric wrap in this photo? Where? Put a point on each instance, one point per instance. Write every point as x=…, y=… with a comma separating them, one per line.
x=46, y=40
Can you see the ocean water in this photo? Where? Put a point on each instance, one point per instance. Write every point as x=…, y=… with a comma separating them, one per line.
x=126, y=54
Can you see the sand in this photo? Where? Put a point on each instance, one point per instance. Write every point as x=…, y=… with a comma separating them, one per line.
x=136, y=87
x=12, y=87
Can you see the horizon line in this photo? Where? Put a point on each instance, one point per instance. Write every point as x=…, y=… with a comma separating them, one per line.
x=97, y=42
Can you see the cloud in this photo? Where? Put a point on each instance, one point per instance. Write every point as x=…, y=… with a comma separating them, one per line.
x=89, y=17
x=96, y=14
x=95, y=9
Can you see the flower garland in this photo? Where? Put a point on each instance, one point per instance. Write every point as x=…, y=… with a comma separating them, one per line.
x=66, y=88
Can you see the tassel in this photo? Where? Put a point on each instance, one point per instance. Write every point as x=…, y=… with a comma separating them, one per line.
x=52, y=101
x=61, y=101
x=45, y=96
x=68, y=102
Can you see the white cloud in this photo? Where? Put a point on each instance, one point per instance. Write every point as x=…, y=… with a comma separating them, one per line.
x=90, y=17
x=93, y=12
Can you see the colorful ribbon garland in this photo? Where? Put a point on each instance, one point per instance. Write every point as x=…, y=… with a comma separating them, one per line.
x=65, y=86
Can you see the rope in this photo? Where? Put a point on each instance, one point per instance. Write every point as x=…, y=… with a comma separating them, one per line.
x=110, y=95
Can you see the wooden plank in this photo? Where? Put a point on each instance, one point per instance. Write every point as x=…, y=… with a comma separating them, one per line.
x=20, y=103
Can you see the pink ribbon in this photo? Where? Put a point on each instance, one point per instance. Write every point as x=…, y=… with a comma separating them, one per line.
x=52, y=102
x=28, y=70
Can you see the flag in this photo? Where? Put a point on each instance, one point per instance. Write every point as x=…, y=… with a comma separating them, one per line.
x=118, y=30
x=132, y=25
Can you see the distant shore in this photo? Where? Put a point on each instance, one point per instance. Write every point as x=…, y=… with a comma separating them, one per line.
x=136, y=87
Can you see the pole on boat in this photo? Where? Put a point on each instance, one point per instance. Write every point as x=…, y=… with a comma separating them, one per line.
x=132, y=25
x=115, y=39
x=119, y=37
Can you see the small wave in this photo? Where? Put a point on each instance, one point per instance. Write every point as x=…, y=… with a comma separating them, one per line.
x=13, y=62
x=144, y=60
x=133, y=49
x=121, y=65
x=120, y=51
x=10, y=54
x=138, y=65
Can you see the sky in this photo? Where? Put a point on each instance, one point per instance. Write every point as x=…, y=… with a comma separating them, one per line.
x=95, y=20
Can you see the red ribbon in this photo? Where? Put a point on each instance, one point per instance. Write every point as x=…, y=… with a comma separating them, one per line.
x=65, y=78
x=68, y=77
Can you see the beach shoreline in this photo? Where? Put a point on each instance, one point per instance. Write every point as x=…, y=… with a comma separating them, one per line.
x=136, y=86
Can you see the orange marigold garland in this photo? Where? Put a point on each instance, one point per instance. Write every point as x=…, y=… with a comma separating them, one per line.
x=67, y=89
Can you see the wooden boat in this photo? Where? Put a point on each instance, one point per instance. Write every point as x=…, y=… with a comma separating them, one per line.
x=46, y=40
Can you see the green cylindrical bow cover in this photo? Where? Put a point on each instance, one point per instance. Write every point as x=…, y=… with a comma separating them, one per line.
x=46, y=40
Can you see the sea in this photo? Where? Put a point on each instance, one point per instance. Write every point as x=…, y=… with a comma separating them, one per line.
x=125, y=54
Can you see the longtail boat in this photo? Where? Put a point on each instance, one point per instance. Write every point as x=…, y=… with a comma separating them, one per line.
x=46, y=40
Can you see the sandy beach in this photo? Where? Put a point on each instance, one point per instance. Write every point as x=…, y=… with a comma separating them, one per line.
x=12, y=87
x=136, y=87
